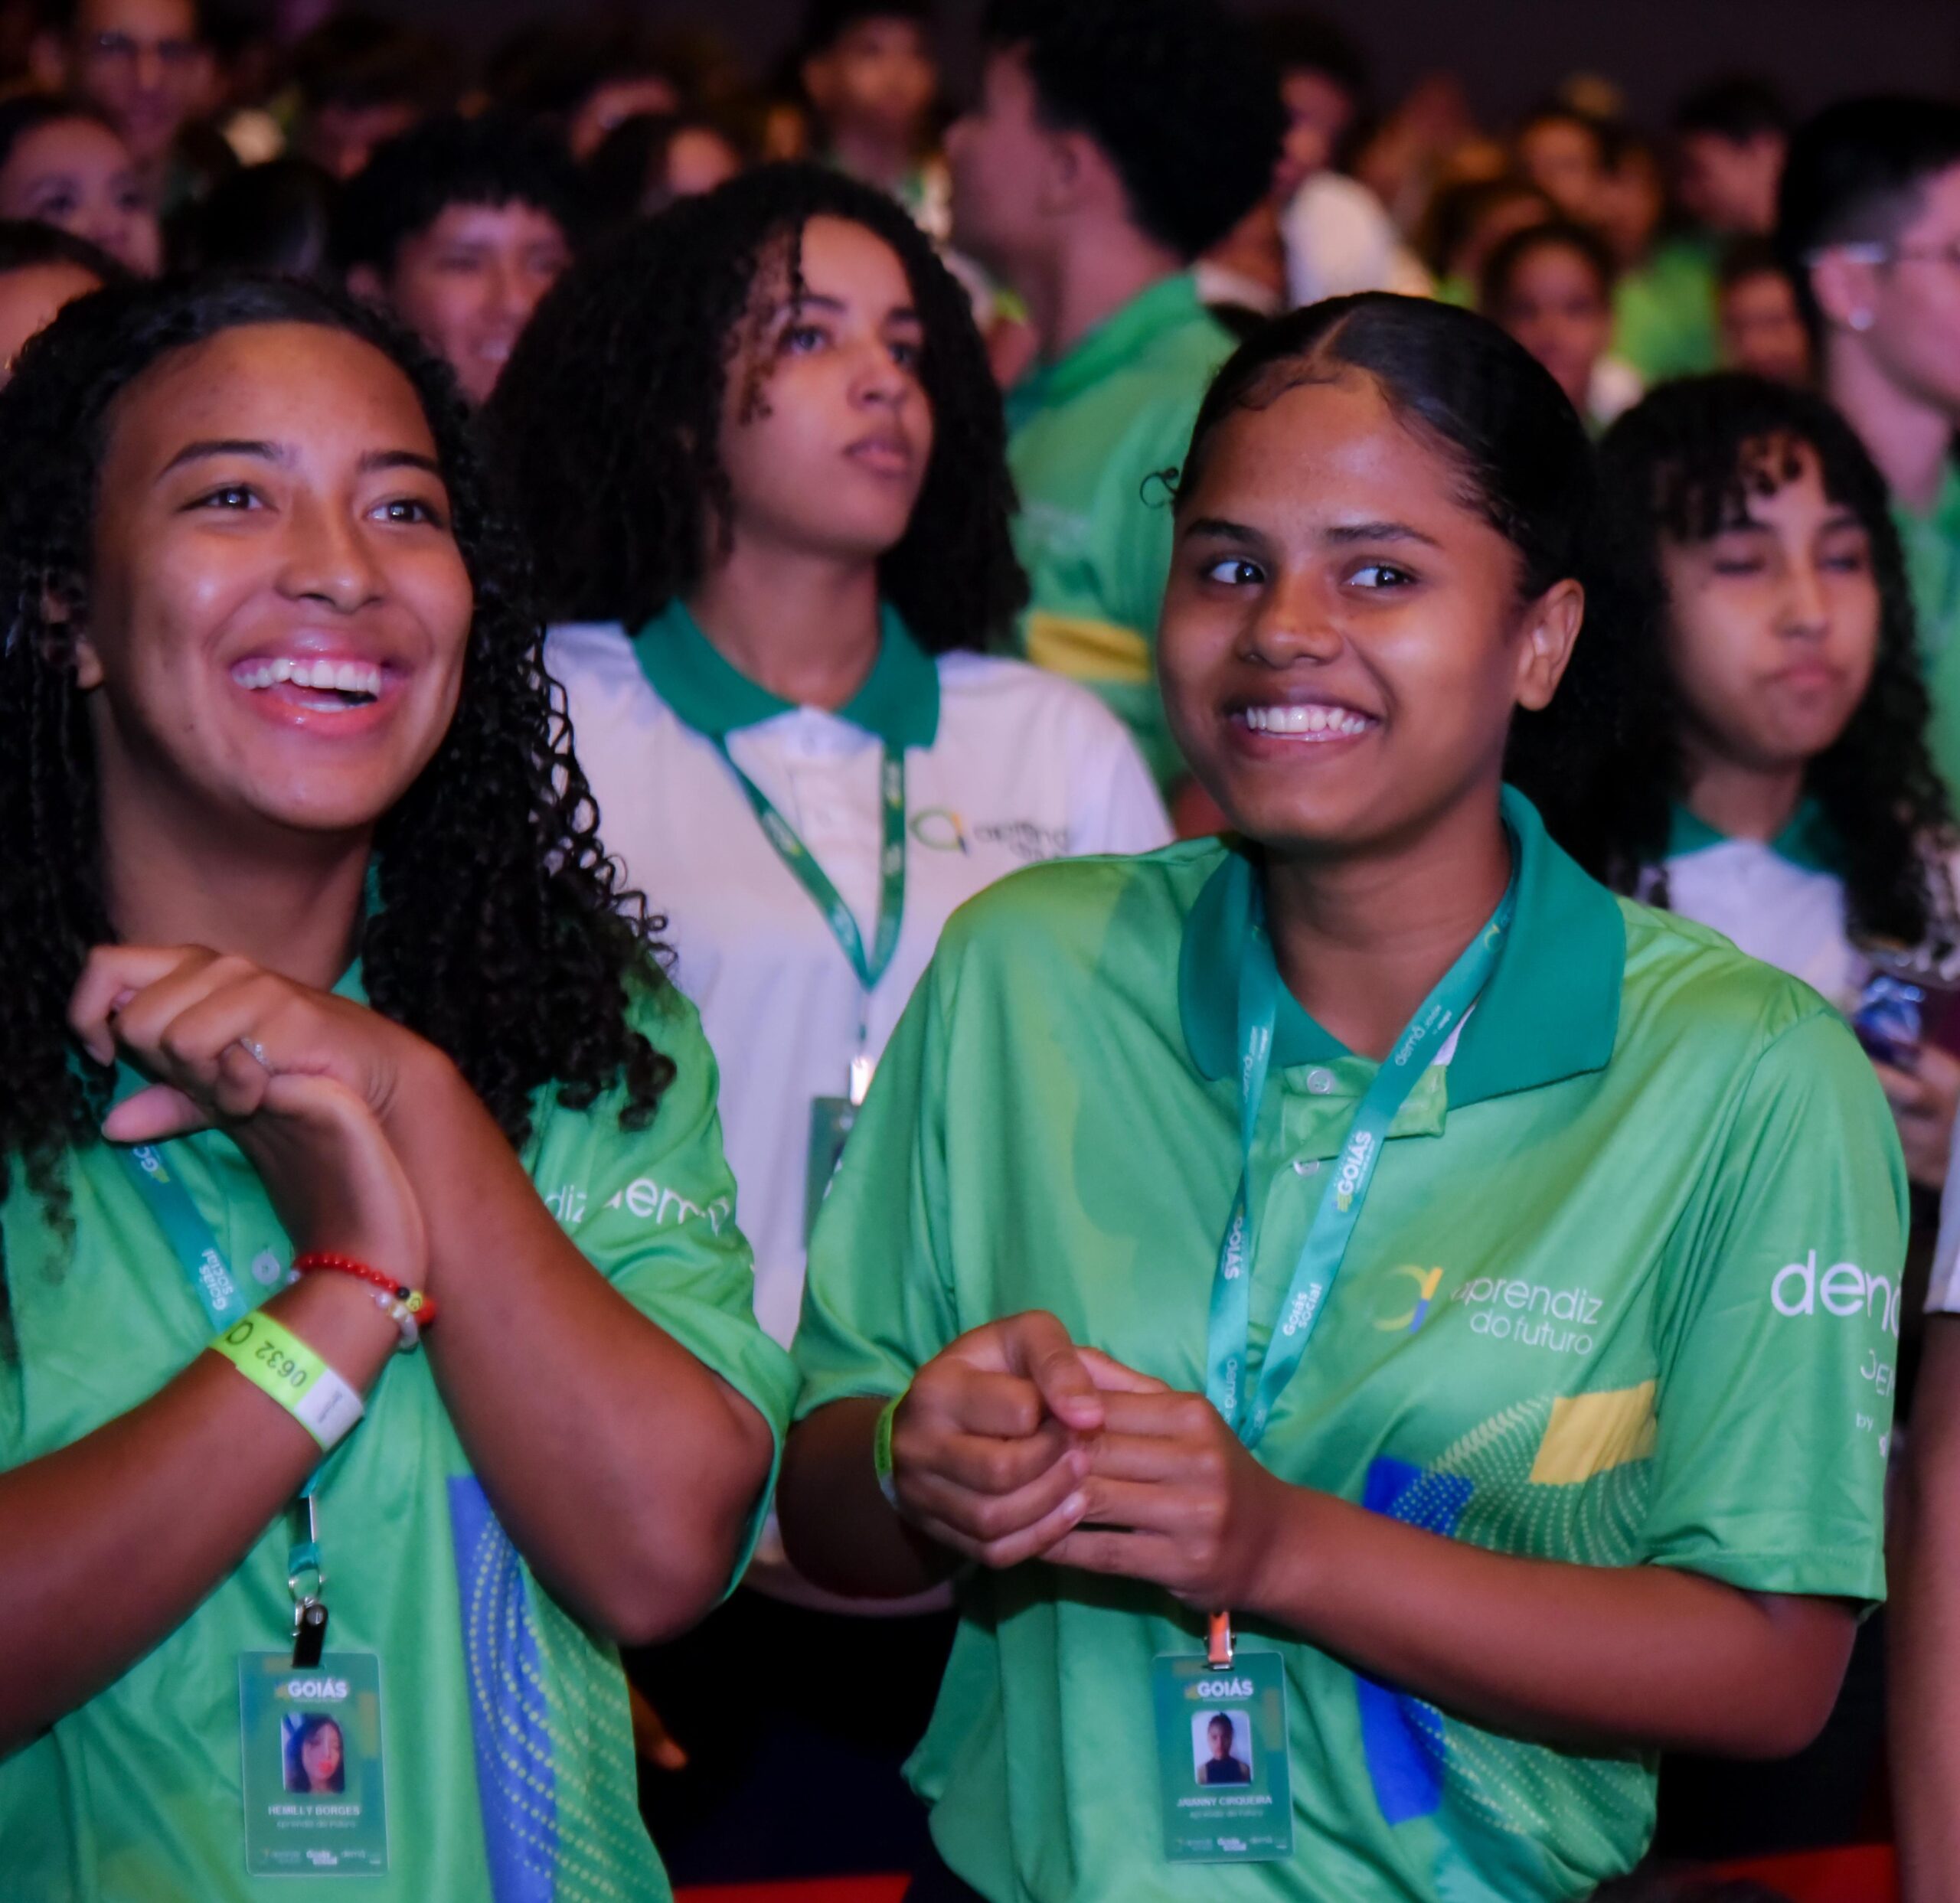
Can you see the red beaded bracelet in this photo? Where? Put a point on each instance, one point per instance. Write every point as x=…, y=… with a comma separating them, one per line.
x=412, y=1310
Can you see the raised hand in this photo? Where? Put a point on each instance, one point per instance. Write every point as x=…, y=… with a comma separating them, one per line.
x=299, y=1078
x=989, y=1446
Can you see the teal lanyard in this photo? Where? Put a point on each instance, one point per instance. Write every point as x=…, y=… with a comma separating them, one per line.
x=811, y=877
x=206, y=1272
x=1228, y=1351
x=209, y=1277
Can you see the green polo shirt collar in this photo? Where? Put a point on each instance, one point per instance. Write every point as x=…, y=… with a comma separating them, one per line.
x=1114, y=344
x=1807, y=841
x=1551, y=1009
x=898, y=702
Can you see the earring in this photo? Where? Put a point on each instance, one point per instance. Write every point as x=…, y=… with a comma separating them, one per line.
x=1861, y=320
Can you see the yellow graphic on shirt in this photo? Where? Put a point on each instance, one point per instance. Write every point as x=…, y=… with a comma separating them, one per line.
x=1086, y=649
x=1590, y=1434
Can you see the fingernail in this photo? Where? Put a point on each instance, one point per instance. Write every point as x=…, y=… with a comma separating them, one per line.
x=1076, y=1505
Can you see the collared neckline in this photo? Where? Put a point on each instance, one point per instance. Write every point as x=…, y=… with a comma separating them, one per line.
x=898, y=702
x=1167, y=305
x=1807, y=840
x=1550, y=1010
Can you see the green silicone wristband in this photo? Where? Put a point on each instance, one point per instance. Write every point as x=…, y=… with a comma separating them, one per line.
x=881, y=1450
x=275, y=1361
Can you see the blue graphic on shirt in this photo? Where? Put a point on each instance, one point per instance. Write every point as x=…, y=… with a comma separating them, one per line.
x=1402, y=1738
x=510, y=1718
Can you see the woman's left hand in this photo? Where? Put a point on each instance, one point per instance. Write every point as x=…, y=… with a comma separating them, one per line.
x=213, y=1030
x=1922, y=1101
x=1174, y=1497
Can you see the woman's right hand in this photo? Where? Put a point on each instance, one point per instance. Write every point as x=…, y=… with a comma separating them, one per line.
x=989, y=1444
x=212, y=1034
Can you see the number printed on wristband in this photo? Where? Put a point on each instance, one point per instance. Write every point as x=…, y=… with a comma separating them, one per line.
x=281, y=1363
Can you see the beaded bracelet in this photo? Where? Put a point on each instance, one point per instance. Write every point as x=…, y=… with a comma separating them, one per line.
x=409, y=1309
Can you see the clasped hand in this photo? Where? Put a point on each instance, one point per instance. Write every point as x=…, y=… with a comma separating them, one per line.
x=300, y=1079
x=1014, y=1443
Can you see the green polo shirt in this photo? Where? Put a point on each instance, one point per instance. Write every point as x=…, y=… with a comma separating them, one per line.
x=1085, y=435
x=1932, y=542
x=1625, y=1292
x=1664, y=317
x=507, y=1750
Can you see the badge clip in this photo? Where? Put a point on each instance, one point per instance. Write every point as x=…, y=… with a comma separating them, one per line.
x=1218, y=1641
x=309, y=1634
x=309, y=1610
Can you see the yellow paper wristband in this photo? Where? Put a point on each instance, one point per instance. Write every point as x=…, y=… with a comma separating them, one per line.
x=275, y=1361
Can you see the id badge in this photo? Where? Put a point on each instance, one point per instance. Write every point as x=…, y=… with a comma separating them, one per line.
x=1225, y=1783
x=315, y=1803
x=831, y=1121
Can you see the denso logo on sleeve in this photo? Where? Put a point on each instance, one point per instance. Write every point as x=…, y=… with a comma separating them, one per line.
x=1844, y=1290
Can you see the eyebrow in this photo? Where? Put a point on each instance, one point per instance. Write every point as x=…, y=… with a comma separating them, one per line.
x=1220, y=530
x=279, y=454
x=817, y=301
x=1344, y=533
x=205, y=449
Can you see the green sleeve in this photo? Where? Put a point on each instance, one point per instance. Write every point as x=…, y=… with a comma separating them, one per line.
x=654, y=1211
x=878, y=1303
x=1778, y=1346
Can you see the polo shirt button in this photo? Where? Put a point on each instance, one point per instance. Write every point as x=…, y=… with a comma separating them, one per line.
x=1306, y=1166
x=1320, y=1081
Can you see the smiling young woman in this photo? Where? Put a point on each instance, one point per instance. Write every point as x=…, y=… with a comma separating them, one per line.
x=309, y=910
x=1543, y=1237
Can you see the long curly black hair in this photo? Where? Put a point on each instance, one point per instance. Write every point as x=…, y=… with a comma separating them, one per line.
x=500, y=933
x=1682, y=464
x=606, y=422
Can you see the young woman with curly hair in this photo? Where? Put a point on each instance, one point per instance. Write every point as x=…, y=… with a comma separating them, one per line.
x=1767, y=772
x=1342, y=1274
x=315, y=962
x=760, y=459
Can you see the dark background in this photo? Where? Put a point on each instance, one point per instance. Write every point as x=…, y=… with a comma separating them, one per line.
x=1508, y=52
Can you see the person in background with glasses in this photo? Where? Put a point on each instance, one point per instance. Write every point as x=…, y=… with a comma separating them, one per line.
x=1868, y=225
x=144, y=63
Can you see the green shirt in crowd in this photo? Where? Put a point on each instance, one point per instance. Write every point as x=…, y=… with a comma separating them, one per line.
x=1932, y=543
x=1664, y=311
x=1626, y=1291
x=1085, y=435
x=507, y=1748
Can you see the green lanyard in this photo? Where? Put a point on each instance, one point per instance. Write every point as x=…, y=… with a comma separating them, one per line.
x=1228, y=1356
x=811, y=877
x=210, y=1278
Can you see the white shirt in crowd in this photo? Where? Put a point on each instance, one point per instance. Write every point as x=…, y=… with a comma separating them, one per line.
x=1021, y=765
x=1340, y=239
x=1773, y=901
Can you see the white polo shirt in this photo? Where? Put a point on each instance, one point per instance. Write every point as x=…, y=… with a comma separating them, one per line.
x=1778, y=899
x=1005, y=765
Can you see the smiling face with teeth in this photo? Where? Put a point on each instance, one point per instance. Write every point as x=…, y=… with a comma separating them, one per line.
x=273, y=626
x=1344, y=641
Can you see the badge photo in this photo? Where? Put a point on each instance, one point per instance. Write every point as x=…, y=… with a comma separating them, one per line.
x=315, y=1801
x=1224, y=1781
